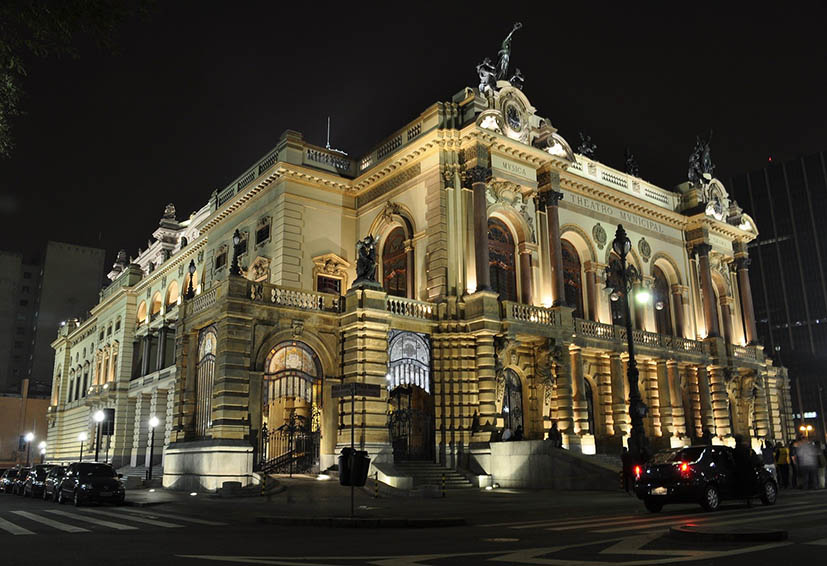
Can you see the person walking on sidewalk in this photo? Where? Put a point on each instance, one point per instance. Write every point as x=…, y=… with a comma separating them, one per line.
x=807, y=461
x=782, y=464
x=768, y=458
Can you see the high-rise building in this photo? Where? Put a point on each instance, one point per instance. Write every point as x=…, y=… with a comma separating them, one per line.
x=36, y=295
x=788, y=273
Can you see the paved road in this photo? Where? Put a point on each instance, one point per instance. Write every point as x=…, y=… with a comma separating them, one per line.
x=505, y=527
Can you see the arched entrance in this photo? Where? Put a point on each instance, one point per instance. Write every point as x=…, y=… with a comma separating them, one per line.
x=512, y=400
x=410, y=403
x=291, y=409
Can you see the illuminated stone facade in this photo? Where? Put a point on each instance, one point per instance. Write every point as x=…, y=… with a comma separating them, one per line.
x=493, y=242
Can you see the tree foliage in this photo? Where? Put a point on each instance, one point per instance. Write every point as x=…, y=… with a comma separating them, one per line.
x=45, y=28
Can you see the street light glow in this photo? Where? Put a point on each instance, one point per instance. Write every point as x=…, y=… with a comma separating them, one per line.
x=153, y=422
x=42, y=445
x=643, y=296
x=29, y=436
x=83, y=437
x=99, y=416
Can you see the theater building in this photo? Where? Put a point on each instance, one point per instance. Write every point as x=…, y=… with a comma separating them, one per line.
x=490, y=311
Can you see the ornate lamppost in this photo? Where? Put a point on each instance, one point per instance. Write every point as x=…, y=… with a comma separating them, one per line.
x=153, y=422
x=189, y=292
x=42, y=447
x=28, y=438
x=83, y=438
x=234, y=268
x=620, y=277
x=99, y=417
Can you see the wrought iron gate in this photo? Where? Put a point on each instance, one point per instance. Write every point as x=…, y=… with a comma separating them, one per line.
x=412, y=434
x=289, y=451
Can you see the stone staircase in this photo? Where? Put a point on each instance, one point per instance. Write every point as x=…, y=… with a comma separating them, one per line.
x=140, y=473
x=428, y=473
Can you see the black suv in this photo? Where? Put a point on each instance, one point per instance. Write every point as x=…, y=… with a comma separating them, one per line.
x=698, y=474
x=33, y=484
x=7, y=479
x=52, y=481
x=86, y=482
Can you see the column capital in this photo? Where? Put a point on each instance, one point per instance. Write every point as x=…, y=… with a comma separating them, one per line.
x=702, y=249
x=549, y=198
x=726, y=301
x=478, y=174
x=742, y=262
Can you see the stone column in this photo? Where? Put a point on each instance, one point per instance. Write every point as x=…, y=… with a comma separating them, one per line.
x=726, y=315
x=720, y=401
x=479, y=176
x=550, y=199
x=591, y=290
x=487, y=379
x=676, y=397
x=563, y=394
x=742, y=265
x=705, y=398
x=710, y=312
x=158, y=408
x=605, y=403
x=145, y=354
x=665, y=399
x=620, y=410
x=162, y=348
x=410, y=280
x=649, y=388
x=143, y=409
x=578, y=393
x=525, y=275
x=678, y=307
x=761, y=411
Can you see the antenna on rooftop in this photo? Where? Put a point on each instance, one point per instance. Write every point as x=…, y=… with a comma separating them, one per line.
x=327, y=146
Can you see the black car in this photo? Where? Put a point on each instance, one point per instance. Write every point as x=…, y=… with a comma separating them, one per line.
x=7, y=479
x=19, y=480
x=33, y=484
x=52, y=481
x=87, y=482
x=698, y=474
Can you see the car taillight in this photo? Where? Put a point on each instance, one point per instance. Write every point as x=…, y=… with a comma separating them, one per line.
x=637, y=472
x=685, y=469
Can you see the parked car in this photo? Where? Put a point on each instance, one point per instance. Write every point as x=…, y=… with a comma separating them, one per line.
x=698, y=474
x=52, y=481
x=17, y=486
x=7, y=479
x=33, y=484
x=88, y=482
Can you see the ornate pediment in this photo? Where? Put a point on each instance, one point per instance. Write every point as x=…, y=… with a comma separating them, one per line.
x=259, y=270
x=330, y=264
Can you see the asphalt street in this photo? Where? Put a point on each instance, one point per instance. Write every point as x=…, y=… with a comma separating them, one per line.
x=504, y=527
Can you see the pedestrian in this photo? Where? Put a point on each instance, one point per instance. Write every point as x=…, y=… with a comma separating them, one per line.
x=706, y=438
x=555, y=436
x=744, y=469
x=807, y=460
x=782, y=464
x=822, y=464
x=768, y=458
x=518, y=433
x=627, y=469
x=507, y=434
x=793, y=446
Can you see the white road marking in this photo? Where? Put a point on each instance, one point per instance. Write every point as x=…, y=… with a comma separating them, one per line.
x=759, y=518
x=135, y=519
x=10, y=527
x=101, y=522
x=820, y=542
x=51, y=522
x=150, y=514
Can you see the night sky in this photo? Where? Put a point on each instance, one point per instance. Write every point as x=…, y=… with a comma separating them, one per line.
x=199, y=90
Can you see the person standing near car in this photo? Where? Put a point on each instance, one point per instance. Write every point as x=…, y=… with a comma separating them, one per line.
x=782, y=464
x=744, y=469
x=769, y=459
x=807, y=461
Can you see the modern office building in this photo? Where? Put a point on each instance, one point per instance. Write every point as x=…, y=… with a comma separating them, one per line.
x=789, y=201
x=458, y=270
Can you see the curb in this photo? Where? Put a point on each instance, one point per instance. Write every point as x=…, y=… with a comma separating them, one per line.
x=129, y=503
x=707, y=534
x=363, y=522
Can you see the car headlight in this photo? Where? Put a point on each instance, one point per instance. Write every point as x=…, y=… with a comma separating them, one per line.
x=86, y=486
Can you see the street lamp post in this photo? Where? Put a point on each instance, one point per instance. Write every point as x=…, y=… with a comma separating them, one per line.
x=189, y=292
x=82, y=437
x=806, y=430
x=621, y=277
x=153, y=422
x=42, y=447
x=99, y=416
x=234, y=268
x=29, y=437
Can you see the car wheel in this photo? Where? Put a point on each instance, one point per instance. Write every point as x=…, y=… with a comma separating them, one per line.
x=653, y=505
x=769, y=493
x=76, y=499
x=712, y=499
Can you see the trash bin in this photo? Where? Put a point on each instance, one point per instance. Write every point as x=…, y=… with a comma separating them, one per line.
x=359, y=467
x=345, y=465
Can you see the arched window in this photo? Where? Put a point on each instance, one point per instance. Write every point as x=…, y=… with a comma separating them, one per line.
x=155, y=307
x=172, y=293
x=660, y=299
x=205, y=382
x=409, y=360
x=395, y=264
x=291, y=370
x=512, y=400
x=142, y=313
x=501, y=260
x=572, y=279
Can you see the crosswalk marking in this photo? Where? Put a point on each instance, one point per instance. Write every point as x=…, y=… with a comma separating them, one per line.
x=742, y=520
x=151, y=514
x=10, y=527
x=135, y=519
x=51, y=522
x=94, y=521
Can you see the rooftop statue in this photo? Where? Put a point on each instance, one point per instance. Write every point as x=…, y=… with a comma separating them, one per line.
x=631, y=164
x=701, y=168
x=487, y=73
x=505, y=54
x=517, y=80
x=366, y=262
x=587, y=147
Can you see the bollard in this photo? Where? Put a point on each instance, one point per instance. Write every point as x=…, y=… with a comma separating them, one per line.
x=376, y=485
x=443, y=485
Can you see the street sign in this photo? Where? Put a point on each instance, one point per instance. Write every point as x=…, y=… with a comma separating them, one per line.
x=357, y=389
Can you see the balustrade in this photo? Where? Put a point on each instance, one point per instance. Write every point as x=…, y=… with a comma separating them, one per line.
x=411, y=308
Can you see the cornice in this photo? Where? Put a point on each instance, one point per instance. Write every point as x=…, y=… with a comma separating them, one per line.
x=238, y=201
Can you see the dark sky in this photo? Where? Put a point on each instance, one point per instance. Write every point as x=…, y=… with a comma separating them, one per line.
x=199, y=90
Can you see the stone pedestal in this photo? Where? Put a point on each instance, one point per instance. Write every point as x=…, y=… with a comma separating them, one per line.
x=203, y=465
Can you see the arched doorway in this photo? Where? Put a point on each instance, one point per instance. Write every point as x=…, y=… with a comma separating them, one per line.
x=501, y=263
x=572, y=279
x=291, y=408
x=512, y=412
x=410, y=403
x=395, y=264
